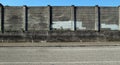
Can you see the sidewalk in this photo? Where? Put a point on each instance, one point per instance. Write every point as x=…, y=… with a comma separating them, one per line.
x=59, y=44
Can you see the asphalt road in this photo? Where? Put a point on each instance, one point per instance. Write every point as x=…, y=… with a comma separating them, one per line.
x=60, y=55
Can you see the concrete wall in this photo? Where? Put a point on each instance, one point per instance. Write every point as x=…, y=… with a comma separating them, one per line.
x=63, y=36
x=59, y=23
x=109, y=18
x=61, y=18
x=85, y=18
x=38, y=18
x=14, y=19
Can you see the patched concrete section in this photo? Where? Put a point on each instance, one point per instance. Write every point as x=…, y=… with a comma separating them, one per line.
x=110, y=26
x=67, y=24
x=63, y=25
x=38, y=18
x=59, y=24
x=61, y=15
x=109, y=18
x=79, y=25
x=86, y=15
x=14, y=19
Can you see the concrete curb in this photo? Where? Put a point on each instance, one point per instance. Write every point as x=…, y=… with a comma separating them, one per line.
x=60, y=44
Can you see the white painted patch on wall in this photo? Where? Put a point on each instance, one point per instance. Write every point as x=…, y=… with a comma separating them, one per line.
x=63, y=25
x=67, y=25
x=111, y=26
x=79, y=25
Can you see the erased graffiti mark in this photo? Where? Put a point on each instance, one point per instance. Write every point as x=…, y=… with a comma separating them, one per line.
x=111, y=26
x=67, y=25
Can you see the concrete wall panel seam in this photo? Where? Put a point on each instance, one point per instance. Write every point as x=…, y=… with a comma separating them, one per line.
x=1, y=18
x=97, y=18
x=73, y=17
x=25, y=8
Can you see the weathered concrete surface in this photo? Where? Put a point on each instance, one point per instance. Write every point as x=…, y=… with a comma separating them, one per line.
x=38, y=18
x=85, y=15
x=61, y=18
x=60, y=55
x=83, y=36
x=61, y=36
x=109, y=17
x=14, y=19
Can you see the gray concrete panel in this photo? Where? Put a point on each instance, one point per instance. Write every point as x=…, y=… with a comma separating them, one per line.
x=14, y=19
x=109, y=18
x=38, y=18
x=61, y=18
x=85, y=18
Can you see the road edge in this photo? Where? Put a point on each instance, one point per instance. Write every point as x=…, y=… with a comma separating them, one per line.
x=59, y=44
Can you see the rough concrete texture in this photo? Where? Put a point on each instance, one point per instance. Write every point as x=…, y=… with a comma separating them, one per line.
x=109, y=18
x=38, y=18
x=38, y=21
x=85, y=15
x=83, y=36
x=14, y=19
x=62, y=14
x=79, y=36
x=61, y=36
x=61, y=17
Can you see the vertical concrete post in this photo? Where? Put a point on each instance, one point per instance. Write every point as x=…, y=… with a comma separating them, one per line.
x=25, y=16
x=49, y=21
x=73, y=17
x=50, y=17
x=2, y=18
x=119, y=17
x=96, y=18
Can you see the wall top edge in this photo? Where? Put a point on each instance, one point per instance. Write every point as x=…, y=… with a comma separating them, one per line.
x=59, y=6
x=62, y=6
